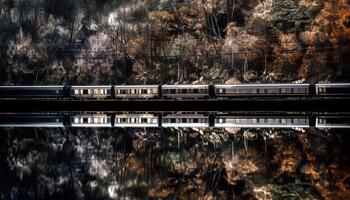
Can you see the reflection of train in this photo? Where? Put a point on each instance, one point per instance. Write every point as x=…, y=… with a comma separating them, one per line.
x=199, y=120
x=176, y=91
x=262, y=121
x=185, y=120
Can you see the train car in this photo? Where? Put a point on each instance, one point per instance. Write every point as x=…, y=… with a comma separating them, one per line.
x=31, y=120
x=262, y=122
x=136, y=91
x=333, y=89
x=90, y=92
x=136, y=120
x=185, y=120
x=48, y=91
x=185, y=91
x=329, y=121
x=90, y=120
x=239, y=90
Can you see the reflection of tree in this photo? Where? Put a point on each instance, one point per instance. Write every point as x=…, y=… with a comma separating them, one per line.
x=132, y=163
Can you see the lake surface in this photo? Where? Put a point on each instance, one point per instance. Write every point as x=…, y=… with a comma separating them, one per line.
x=174, y=163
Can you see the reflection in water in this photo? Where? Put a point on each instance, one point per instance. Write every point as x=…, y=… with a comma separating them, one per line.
x=177, y=119
x=156, y=163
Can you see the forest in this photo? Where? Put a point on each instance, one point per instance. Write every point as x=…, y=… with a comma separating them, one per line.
x=48, y=42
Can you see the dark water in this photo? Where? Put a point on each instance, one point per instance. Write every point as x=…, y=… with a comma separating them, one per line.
x=159, y=163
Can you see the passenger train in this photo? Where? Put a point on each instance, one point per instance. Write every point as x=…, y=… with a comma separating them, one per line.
x=128, y=92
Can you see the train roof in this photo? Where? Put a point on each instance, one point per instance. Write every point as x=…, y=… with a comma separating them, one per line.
x=263, y=85
x=28, y=88
x=32, y=86
x=184, y=86
x=91, y=86
x=135, y=115
x=136, y=86
x=333, y=84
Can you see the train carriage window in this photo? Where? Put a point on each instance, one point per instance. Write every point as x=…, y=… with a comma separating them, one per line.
x=85, y=91
x=154, y=120
x=184, y=91
x=195, y=120
x=76, y=91
x=283, y=90
x=289, y=90
x=195, y=91
x=123, y=91
x=144, y=91
x=184, y=120
x=143, y=120
x=85, y=120
x=172, y=91
x=265, y=91
x=172, y=120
